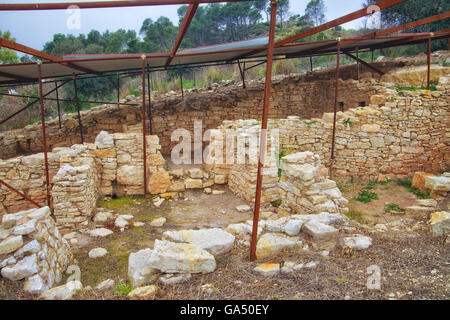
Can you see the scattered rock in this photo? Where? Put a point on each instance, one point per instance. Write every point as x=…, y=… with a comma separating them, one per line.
x=63, y=292
x=35, y=285
x=268, y=269
x=100, y=232
x=271, y=243
x=215, y=241
x=169, y=279
x=171, y=257
x=139, y=271
x=243, y=208
x=357, y=242
x=218, y=192
x=158, y=222
x=312, y=264
x=293, y=227
x=288, y=267
x=104, y=285
x=121, y=222
x=158, y=202
x=97, y=253
x=319, y=230
x=102, y=216
x=144, y=293
x=440, y=223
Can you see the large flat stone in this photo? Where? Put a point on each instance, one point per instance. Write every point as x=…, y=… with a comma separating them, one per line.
x=63, y=292
x=319, y=230
x=171, y=257
x=215, y=241
x=271, y=243
x=139, y=271
x=11, y=244
x=22, y=269
x=357, y=242
x=441, y=183
x=440, y=223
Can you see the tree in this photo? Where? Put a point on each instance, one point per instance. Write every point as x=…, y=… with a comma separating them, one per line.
x=7, y=55
x=413, y=10
x=315, y=10
x=283, y=11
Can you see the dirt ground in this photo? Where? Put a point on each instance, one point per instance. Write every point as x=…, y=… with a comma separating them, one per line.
x=413, y=265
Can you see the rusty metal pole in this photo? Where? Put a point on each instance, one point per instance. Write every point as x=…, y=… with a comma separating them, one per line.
x=242, y=74
x=149, y=91
x=336, y=97
x=144, y=140
x=181, y=83
x=429, y=63
x=57, y=103
x=311, y=63
x=20, y=193
x=263, y=142
x=78, y=108
x=44, y=135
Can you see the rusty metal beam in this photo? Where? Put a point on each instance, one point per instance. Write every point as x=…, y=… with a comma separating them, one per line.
x=16, y=77
x=263, y=137
x=29, y=104
x=384, y=4
x=183, y=29
x=20, y=193
x=44, y=135
x=144, y=131
x=358, y=60
x=21, y=48
x=149, y=91
x=58, y=105
x=429, y=63
x=77, y=102
x=103, y=4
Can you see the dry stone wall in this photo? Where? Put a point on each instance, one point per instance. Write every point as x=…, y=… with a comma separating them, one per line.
x=32, y=249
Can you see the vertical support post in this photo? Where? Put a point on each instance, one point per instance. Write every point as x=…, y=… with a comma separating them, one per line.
x=57, y=103
x=181, y=83
x=193, y=74
x=242, y=74
x=263, y=140
x=77, y=102
x=372, y=56
x=429, y=63
x=118, y=90
x=311, y=63
x=144, y=140
x=357, y=61
x=149, y=92
x=336, y=97
x=44, y=135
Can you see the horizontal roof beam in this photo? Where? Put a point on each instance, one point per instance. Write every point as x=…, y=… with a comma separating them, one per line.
x=102, y=4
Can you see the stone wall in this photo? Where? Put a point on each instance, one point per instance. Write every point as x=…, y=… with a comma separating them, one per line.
x=397, y=134
x=32, y=249
x=305, y=187
x=308, y=95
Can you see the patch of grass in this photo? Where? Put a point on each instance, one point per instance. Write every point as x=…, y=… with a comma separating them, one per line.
x=355, y=215
x=283, y=153
x=415, y=88
x=389, y=207
x=276, y=203
x=123, y=289
x=310, y=123
x=366, y=196
x=347, y=122
x=407, y=183
x=121, y=204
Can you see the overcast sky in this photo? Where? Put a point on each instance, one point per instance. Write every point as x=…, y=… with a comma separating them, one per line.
x=34, y=28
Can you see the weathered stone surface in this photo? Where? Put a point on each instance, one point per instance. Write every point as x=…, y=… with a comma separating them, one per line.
x=158, y=222
x=215, y=241
x=441, y=183
x=139, y=271
x=100, y=232
x=24, y=268
x=193, y=183
x=64, y=292
x=440, y=223
x=144, y=293
x=243, y=208
x=418, y=180
x=272, y=243
x=357, y=242
x=268, y=269
x=104, y=140
x=196, y=173
x=130, y=175
x=418, y=211
x=97, y=253
x=159, y=182
x=170, y=279
x=35, y=285
x=105, y=285
x=120, y=222
x=319, y=230
x=293, y=227
x=170, y=257
x=11, y=244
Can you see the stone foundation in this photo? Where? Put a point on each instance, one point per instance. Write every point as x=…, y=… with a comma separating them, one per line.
x=32, y=249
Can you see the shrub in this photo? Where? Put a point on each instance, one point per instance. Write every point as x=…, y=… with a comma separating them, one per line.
x=389, y=207
x=366, y=196
x=123, y=289
x=213, y=75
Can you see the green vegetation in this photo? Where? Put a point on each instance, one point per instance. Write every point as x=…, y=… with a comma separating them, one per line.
x=355, y=215
x=276, y=203
x=393, y=207
x=407, y=183
x=310, y=123
x=123, y=289
x=415, y=88
x=365, y=195
x=283, y=153
x=347, y=122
